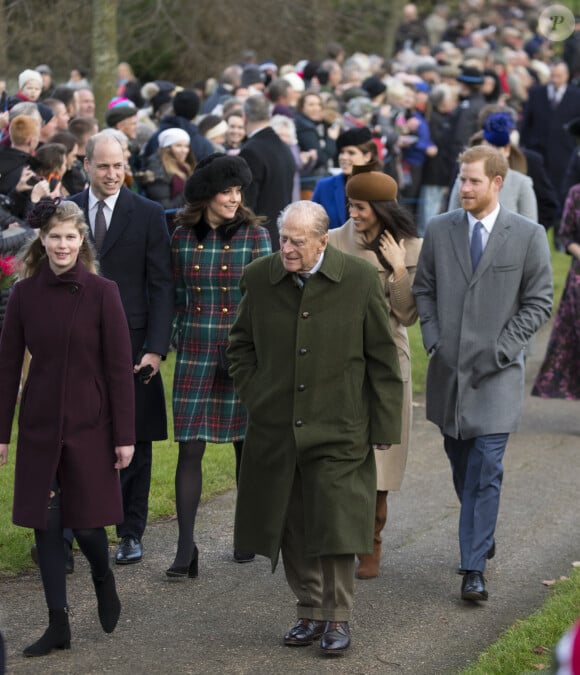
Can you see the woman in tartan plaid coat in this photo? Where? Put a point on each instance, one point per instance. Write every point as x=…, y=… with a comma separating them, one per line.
x=216, y=237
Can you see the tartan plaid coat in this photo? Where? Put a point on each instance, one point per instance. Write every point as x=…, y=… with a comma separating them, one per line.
x=207, y=266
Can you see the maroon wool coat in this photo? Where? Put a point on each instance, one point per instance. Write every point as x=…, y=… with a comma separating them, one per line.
x=78, y=400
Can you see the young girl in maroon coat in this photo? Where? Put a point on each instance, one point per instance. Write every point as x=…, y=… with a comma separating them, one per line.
x=76, y=414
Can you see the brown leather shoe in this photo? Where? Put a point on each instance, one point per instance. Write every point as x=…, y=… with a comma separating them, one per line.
x=304, y=632
x=336, y=638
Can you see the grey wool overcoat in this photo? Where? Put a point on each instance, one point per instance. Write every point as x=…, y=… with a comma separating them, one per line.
x=319, y=374
x=479, y=324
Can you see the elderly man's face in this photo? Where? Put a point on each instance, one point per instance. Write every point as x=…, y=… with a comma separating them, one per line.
x=300, y=247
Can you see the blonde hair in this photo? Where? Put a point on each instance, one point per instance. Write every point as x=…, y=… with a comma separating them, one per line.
x=171, y=165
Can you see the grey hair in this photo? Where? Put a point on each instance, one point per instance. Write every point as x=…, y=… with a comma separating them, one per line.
x=93, y=141
x=257, y=108
x=440, y=92
x=27, y=108
x=310, y=213
x=284, y=122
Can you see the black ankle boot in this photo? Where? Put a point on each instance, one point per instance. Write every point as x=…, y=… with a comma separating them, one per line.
x=56, y=636
x=108, y=601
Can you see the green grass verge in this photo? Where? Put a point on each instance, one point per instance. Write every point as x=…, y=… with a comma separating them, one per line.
x=528, y=645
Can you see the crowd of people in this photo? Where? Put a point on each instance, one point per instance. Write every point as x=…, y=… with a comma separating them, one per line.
x=238, y=217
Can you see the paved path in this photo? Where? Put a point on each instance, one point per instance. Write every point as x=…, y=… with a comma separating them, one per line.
x=410, y=620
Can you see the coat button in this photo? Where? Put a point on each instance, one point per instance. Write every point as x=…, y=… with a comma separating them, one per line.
x=200, y=247
x=196, y=267
x=303, y=351
x=227, y=247
x=224, y=267
x=224, y=310
x=298, y=423
x=301, y=387
x=73, y=289
x=224, y=289
x=198, y=289
x=305, y=315
x=198, y=310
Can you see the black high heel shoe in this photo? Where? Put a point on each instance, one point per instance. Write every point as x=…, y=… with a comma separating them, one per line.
x=190, y=570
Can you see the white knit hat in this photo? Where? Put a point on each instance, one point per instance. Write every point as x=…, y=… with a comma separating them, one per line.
x=174, y=135
x=295, y=81
x=217, y=131
x=27, y=75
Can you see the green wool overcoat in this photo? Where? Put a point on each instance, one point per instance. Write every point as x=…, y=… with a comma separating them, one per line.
x=319, y=374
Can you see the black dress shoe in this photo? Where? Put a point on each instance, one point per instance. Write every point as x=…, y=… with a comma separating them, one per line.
x=241, y=557
x=129, y=551
x=336, y=638
x=304, y=632
x=473, y=586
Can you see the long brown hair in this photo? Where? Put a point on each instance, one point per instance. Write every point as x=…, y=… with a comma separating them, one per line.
x=396, y=220
x=44, y=216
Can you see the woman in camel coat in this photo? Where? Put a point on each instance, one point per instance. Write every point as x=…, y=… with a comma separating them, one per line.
x=383, y=233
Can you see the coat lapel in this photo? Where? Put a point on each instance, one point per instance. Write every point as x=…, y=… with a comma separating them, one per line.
x=459, y=234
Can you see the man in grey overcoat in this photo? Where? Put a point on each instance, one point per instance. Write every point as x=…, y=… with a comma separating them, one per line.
x=314, y=363
x=483, y=287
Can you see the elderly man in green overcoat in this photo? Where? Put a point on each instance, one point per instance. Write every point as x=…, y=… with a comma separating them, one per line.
x=314, y=362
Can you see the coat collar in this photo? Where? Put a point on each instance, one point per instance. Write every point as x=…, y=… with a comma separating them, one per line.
x=332, y=266
x=225, y=231
x=77, y=275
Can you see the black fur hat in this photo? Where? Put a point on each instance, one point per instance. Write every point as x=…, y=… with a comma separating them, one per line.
x=216, y=173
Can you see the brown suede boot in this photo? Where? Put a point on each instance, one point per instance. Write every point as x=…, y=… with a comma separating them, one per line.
x=369, y=563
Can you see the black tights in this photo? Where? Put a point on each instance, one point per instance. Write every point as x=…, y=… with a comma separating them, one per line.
x=188, y=482
x=93, y=543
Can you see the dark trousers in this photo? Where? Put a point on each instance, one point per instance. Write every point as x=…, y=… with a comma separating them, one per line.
x=135, y=484
x=323, y=586
x=476, y=464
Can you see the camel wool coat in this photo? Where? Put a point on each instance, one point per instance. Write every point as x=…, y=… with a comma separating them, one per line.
x=78, y=400
x=402, y=312
x=319, y=374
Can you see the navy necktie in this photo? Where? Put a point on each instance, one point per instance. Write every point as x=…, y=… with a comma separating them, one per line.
x=100, y=225
x=476, y=245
